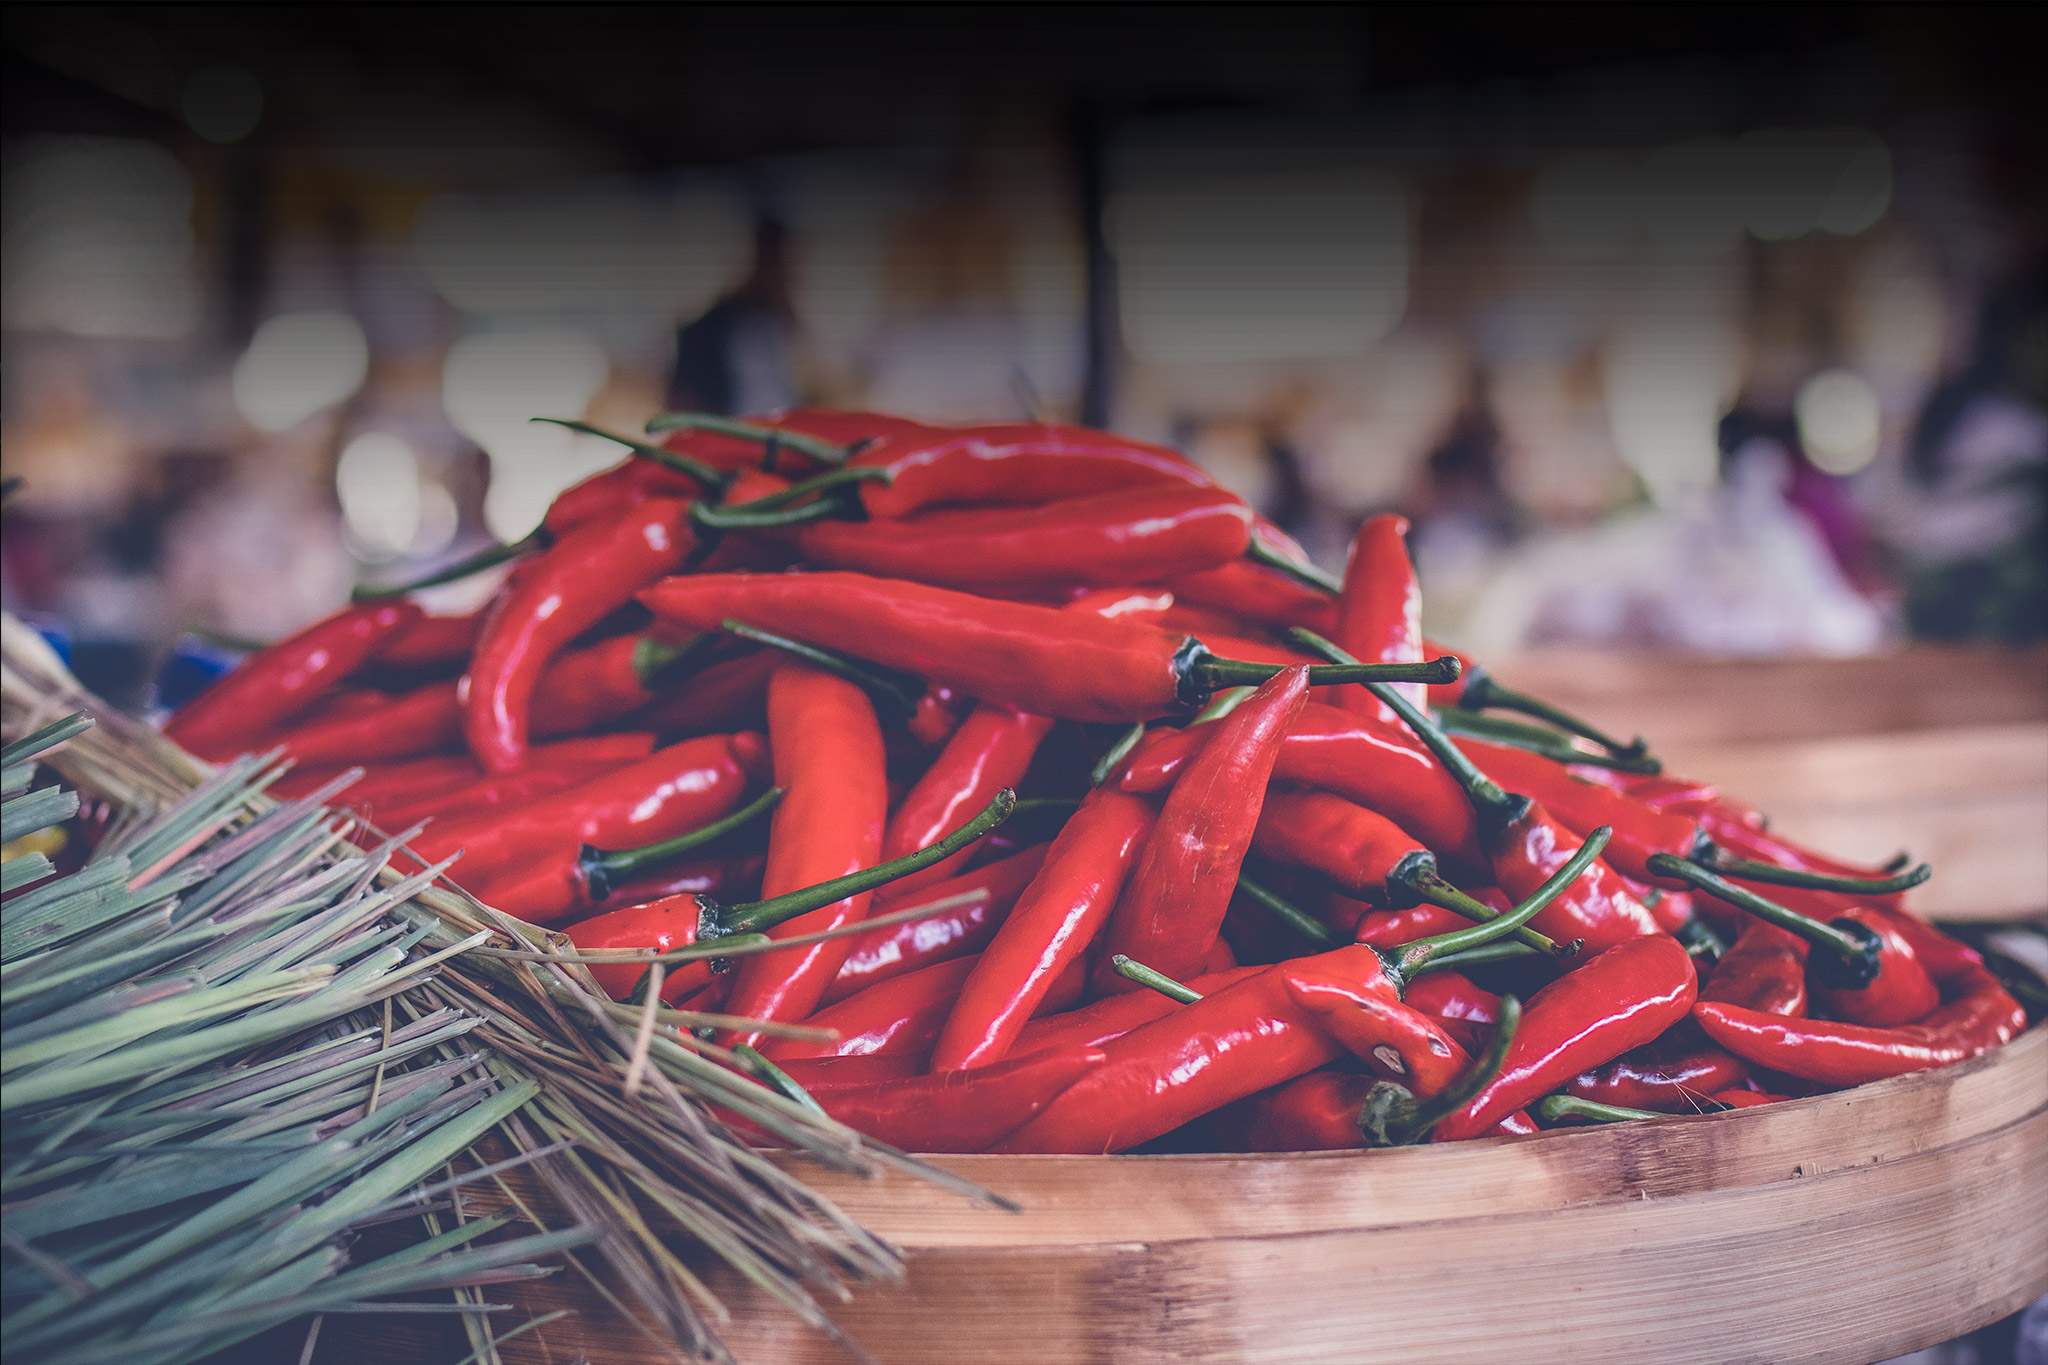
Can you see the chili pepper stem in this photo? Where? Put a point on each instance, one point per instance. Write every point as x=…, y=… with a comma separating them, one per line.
x=820, y=483
x=1413, y=957
x=1490, y=954
x=1211, y=672
x=487, y=558
x=1750, y=870
x=754, y=916
x=1551, y=744
x=711, y=478
x=1853, y=948
x=1261, y=552
x=746, y=431
x=749, y=516
x=604, y=870
x=1551, y=1108
x=1115, y=754
x=657, y=664
x=1158, y=981
x=775, y=1078
x=893, y=692
x=1423, y=882
x=1393, y=1117
x=1290, y=914
x=1496, y=808
x=1481, y=692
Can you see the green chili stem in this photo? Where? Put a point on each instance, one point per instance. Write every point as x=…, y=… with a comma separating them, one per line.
x=750, y=517
x=894, y=692
x=1213, y=672
x=1750, y=870
x=1898, y=862
x=1290, y=914
x=1158, y=981
x=1393, y=1117
x=490, y=557
x=1412, y=957
x=1481, y=691
x=820, y=483
x=1308, y=575
x=1552, y=744
x=683, y=464
x=776, y=1078
x=1223, y=703
x=658, y=664
x=1116, y=754
x=823, y=451
x=1425, y=883
x=602, y=870
x=1490, y=955
x=1495, y=807
x=1046, y=805
x=753, y=916
x=1551, y=1108
x=1857, y=955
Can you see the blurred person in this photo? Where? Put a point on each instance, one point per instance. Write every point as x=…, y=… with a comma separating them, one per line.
x=257, y=556
x=738, y=357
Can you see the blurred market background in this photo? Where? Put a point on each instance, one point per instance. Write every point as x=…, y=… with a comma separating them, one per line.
x=1721, y=331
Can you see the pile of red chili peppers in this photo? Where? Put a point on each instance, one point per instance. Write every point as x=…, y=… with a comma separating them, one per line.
x=1220, y=854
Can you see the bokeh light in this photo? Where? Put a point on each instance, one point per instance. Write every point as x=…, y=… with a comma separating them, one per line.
x=1839, y=421
x=297, y=364
x=494, y=382
x=378, y=482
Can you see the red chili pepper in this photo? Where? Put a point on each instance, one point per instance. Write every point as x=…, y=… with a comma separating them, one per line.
x=431, y=642
x=1313, y=1113
x=1746, y=1099
x=280, y=682
x=421, y=721
x=939, y=713
x=1114, y=1015
x=1675, y=1074
x=665, y=794
x=1130, y=535
x=895, y=949
x=551, y=600
x=1381, y=767
x=1579, y=806
x=1978, y=1015
x=1449, y=995
x=1941, y=955
x=903, y=1014
x=1067, y=664
x=1621, y=999
x=1662, y=792
x=992, y=749
x=551, y=768
x=1055, y=921
x=1442, y=695
x=1257, y=593
x=819, y=1074
x=1765, y=970
x=1381, y=1032
x=959, y=1111
x=733, y=877
x=602, y=495
x=829, y=763
x=1026, y=463
x=656, y=926
x=1379, y=615
x=602, y=683
x=1397, y=928
x=730, y=694
x=1181, y=887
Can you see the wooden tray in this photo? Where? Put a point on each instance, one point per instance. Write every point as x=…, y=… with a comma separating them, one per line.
x=1849, y=1227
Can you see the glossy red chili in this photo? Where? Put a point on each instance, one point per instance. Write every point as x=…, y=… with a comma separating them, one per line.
x=278, y=683
x=1180, y=889
x=991, y=750
x=423, y=721
x=602, y=495
x=431, y=641
x=829, y=763
x=1130, y=535
x=1451, y=995
x=1054, y=922
x=958, y=1111
x=1765, y=970
x=1977, y=1016
x=1114, y=1015
x=894, y=949
x=549, y=601
x=1257, y=593
x=1392, y=1037
x=1379, y=614
x=1026, y=463
x=902, y=1014
x=550, y=768
x=1620, y=999
x=1675, y=1074
x=727, y=695
x=1580, y=806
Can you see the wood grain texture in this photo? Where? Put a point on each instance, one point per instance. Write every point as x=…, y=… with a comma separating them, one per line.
x=1843, y=1228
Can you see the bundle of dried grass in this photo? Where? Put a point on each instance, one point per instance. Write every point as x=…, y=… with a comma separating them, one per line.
x=233, y=1036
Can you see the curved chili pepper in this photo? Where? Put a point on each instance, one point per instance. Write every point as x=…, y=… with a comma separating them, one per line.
x=1070, y=665
x=1257, y=593
x=1380, y=767
x=431, y=641
x=1379, y=615
x=1664, y=793
x=667, y=793
x=1765, y=970
x=1524, y=843
x=1675, y=1074
x=903, y=1014
x=895, y=949
x=992, y=749
x=1180, y=889
x=1580, y=805
x=1313, y=1113
x=1054, y=922
x=600, y=684
x=727, y=695
x=551, y=600
x=280, y=682
x=1395, y=1038
x=1451, y=995
x=1979, y=1015
x=828, y=759
x=959, y=1111
x=1114, y=1015
x=1867, y=969
x=683, y=921
x=1131, y=535
x=1025, y=463
x=939, y=713
x=1364, y=855
x=1621, y=999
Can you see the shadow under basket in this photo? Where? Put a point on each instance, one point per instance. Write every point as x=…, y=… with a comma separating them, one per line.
x=1848, y=1227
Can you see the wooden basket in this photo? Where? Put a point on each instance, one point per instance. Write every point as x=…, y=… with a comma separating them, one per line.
x=1848, y=1227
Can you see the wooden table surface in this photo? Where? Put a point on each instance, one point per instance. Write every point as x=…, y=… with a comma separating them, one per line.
x=1943, y=752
